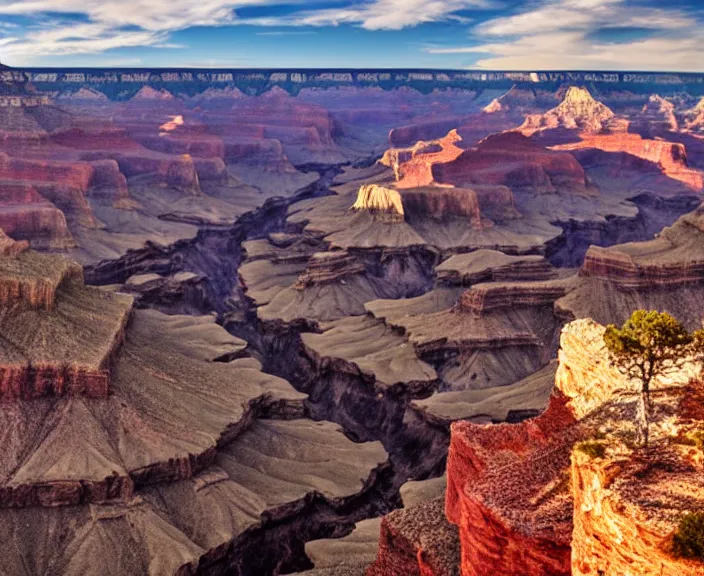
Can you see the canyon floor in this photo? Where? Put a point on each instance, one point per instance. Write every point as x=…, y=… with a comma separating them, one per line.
x=241, y=331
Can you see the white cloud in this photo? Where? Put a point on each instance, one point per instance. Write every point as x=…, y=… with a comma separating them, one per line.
x=128, y=23
x=560, y=34
x=379, y=14
x=110, y=23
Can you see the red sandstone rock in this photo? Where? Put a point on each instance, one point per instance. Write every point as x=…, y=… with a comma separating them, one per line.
x=510, y=159
x=109, y=182
x=26, y=215
x=523, y=537
x=632, y=151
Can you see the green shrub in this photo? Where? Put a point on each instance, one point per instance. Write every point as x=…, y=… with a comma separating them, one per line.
x=688, y=541
x=695, y=438
x=592, y=449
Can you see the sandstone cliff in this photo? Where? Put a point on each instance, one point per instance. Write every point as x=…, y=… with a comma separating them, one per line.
x=513, y=160
x=416, y=204
x=518, y=511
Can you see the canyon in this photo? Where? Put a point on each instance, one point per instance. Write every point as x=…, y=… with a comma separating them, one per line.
x=342, y=323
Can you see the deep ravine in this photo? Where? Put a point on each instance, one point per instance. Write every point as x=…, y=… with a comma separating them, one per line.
x=337, y=391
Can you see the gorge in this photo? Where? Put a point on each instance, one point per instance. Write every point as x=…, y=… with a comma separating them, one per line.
x=277, y=323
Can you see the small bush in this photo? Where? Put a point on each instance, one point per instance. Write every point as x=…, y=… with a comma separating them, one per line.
x=688, y=540
x=695, y=439
x=592, y=449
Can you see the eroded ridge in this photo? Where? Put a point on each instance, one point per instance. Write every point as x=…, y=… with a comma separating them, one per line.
x=57, y=336
x=173, y=467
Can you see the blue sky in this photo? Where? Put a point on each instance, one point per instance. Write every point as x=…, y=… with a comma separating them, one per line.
x=480, y=34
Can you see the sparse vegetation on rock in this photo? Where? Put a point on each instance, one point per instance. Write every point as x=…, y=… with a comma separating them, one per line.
x=688, y=540
x=648, y=345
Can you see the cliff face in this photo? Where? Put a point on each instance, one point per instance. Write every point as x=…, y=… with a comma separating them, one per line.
x=513, y=522
x=625, y=511
x=9, y=247
x=528, y=500
x=674, y=259
x=431, y=202
x=633, y=152
x=418, y=542
x=513, y=160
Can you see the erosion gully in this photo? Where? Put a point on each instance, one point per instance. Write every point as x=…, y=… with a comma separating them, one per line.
x=417, y=448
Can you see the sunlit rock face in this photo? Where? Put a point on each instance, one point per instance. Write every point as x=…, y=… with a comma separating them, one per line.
x=631, y=152
x=578, y=110
x=431, y=202
x=694, y=118
x=513, y=160
x=625, y=511
x=527, y=498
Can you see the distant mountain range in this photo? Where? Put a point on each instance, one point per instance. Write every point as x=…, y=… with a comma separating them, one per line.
x=123, y=83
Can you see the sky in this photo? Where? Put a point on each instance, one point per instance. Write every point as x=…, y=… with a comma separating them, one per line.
x=638, y=35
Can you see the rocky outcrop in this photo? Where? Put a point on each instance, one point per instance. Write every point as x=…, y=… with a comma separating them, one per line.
x=492, y=266
x=26, y=216
x=635, y=153
x=626, y=510
x=416, y=204
x=672, y=259
x=108, y=182
x=326, y=267
x=425, y=130
x=506, y=494
x=417, y=541
x=578, y=111
x=483, y=298
x=9, y=247
x=657, y=117
x=413, y=167
x=31, y=279
x=382, y=201
x=513, y=160
x=533, y=498
x=694, y=118
x=44, y=354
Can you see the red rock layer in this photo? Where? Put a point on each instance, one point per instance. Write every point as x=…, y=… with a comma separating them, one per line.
x=508, y=542
x=440, y=203
x=628, y=272
x=25, y=215
x=423, y=130
x=487, y=297
x=513, y=160
x=668, y=157
x=32, y=382
x=418, y=169
x=417, y=541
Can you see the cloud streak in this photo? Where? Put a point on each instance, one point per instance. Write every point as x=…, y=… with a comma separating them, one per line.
x=109, y=24
x=562, y=34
